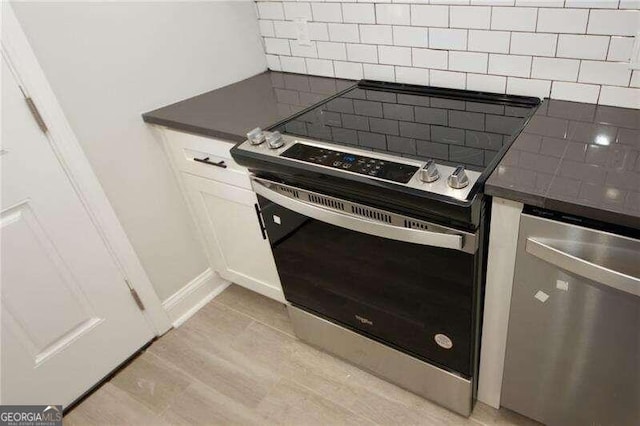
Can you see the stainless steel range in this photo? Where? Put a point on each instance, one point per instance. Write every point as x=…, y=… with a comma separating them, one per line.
x=372, y=202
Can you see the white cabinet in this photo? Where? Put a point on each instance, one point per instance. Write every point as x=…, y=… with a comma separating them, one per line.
x=225, y=210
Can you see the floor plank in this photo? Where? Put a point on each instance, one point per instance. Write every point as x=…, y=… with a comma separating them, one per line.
x=237, y=362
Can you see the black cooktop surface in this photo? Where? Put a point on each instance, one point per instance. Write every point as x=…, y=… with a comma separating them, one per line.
x=452, y=127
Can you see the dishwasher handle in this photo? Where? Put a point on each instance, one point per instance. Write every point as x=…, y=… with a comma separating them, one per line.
x=582, y=267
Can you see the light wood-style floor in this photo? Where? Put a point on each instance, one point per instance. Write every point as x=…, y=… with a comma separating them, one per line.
x=237, y=362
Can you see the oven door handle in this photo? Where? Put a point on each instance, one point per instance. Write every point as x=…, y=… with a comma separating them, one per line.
x=345, y=220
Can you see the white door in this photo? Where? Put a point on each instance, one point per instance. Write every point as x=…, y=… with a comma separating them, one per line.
x=67, y=316
x=228, y=218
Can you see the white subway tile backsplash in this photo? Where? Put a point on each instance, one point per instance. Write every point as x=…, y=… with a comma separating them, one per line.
x=613, y=73
x=446, y=38
x=392, y=55
x=593, y=4
x=468, y=61
x=266, y=28
x=362, y=53
x=394, y=14
x=620, y=96
x=492, y=2
x=528, y=87
x=576, y=92
x=470, y=17
x=582, y=46
x=449, y=2
x=273, y=62
x=285, y=29
x=518, y=66
x=379, y=72
x=332, y=50
x=297, y=10
x=412, y=75
x=276, y=46
x=291, y=64
x=620, y=49
x=486, y=83
x=298, y=49
x=614, y=22
x=489, y=41
x=318, y=31
x=453, y=80
x=348, y=70
x=555, y=69
x=410, y=36
x=429, y=16
x=358, y=13
x=629, y=4
x=322, y=67
x=514, y=18
x=575, y=50
x=270, y=10
x=533, y=44
x=563, y=20
x=327, y=12
x=344, y=32
x=429, y=58
x=540, y=3
x=376, y=34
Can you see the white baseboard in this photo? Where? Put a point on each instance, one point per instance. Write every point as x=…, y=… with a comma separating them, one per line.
x=184, y=303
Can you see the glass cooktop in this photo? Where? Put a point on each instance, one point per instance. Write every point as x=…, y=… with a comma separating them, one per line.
x=458, y=129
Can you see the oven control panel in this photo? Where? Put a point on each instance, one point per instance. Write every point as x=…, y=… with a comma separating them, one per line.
x=442, y=179
x=355, y=163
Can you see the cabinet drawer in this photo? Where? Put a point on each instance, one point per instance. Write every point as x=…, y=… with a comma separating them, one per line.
x=206, y=157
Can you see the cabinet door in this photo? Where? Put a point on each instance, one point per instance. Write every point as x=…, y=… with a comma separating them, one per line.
x=228, y=219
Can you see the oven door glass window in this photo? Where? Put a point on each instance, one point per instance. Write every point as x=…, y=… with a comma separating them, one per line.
x=413, y=297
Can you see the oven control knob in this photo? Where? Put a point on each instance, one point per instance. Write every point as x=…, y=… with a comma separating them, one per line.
x=275, y=140
x=256, y=136
x=458, y=179
x=429, y=172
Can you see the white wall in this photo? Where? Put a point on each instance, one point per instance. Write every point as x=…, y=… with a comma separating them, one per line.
x=109, y=62
x=567, y=49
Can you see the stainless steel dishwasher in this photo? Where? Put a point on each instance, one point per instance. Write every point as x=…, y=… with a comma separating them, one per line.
x=573, y=345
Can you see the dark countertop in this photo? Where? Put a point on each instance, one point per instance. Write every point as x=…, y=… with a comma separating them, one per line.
x=259, y=101
x=575, y=158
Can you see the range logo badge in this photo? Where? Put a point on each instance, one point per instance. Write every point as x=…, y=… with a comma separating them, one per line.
x=443, y=341
x=364, y=320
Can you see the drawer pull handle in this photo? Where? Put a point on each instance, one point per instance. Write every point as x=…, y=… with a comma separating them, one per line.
x=206, y=161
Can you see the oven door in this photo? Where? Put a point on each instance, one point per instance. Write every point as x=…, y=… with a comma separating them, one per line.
x=401, y=281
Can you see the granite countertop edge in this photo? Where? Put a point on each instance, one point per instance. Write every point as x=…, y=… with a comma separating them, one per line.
x=197, y=130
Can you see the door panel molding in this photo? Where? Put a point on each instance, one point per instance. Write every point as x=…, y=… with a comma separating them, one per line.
x=18, y=53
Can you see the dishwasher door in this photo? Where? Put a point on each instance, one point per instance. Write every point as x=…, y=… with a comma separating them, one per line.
x=573, y=345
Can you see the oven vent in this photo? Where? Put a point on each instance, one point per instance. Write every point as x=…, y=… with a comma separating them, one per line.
x=327, y=202
x=411, y=224
x=290, y=191
x=371, y=214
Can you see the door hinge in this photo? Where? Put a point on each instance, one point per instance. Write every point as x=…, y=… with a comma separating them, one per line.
x=135, y=296
x=36, y=114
